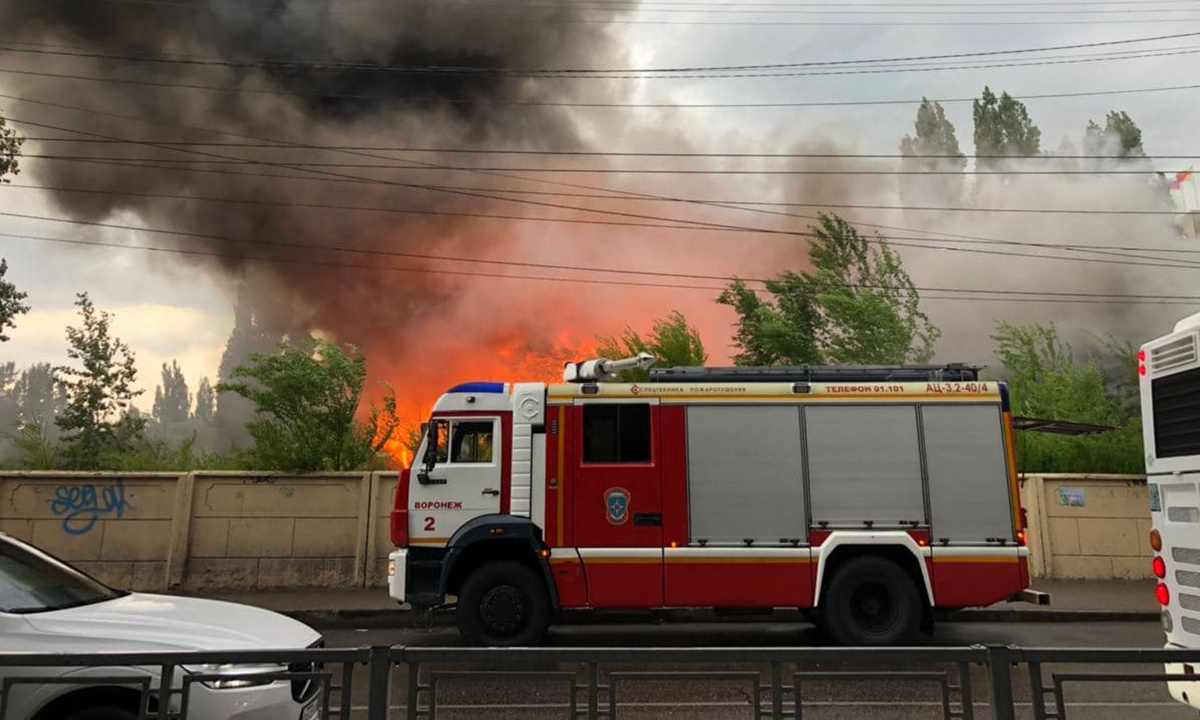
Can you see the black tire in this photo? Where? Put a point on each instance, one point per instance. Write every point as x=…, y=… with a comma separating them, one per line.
x=503, y=604
x=102, y=713
x=871, y=601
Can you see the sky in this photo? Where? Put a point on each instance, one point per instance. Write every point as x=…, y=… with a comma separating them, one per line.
x=168, y=309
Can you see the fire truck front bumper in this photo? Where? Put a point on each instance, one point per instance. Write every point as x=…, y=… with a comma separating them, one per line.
x=415, y=576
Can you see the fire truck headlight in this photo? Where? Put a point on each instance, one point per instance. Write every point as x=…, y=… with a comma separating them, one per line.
x=1167, y=623
x=391, y=568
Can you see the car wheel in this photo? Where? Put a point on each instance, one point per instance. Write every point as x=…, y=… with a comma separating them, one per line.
x=503, y=604
x=102, y=713
x=871, y=601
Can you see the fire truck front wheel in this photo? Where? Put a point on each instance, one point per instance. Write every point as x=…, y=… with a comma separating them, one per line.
x=871, y=601
x=503, y=604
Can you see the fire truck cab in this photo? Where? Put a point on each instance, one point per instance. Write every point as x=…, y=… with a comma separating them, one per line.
x=869, y=496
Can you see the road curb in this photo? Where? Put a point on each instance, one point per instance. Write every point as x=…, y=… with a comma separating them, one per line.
x=1035, y=616
x=402, y=618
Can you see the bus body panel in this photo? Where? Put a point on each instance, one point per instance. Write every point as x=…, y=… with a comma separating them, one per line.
x=1169, y=387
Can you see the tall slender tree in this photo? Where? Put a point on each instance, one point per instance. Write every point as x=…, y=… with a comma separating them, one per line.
x=206, y=402
x=172, y=400
x=38, y=398
x=97, y=423
x=933, y=148
x=934, y=135
x=1003, y=127
x=1120, y=137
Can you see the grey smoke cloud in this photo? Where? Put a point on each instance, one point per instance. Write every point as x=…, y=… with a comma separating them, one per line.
x=301, y=103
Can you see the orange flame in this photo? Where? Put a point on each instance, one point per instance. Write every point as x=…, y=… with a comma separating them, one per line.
x=398, y=452
x=510, y=359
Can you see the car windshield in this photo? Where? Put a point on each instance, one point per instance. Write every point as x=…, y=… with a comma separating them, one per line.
x=32, y=581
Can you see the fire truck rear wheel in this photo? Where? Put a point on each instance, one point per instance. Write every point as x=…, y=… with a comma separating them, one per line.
x=871, y=601
x=503, y=604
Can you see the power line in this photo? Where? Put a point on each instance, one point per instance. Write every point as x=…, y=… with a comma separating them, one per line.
x=675, y=223
x=959, y=293
x=911, y=242
x=654, y=3
x=606, y=153
x=592, y=6
x=951, y=208
x=459, y=70
x=766, y=105
x=957, y=238
x=494, y=216
x=619, y=20
x=236, y=90
x=589, y=170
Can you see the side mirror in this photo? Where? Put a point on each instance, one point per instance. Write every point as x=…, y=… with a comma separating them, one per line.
x=430, y=430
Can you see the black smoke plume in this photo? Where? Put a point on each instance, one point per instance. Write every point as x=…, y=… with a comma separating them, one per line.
x=277, y=70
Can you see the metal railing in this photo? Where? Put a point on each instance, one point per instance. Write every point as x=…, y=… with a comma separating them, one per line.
x=382, y=683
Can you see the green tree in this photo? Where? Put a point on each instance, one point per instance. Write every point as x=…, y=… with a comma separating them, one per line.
x=97, y=422
x=856, y=306
x=38, y=397
x=1047, y=381
x=306, y=401
x=1003, y=127
x=671, y=340
x=10, y=148
x=12, y=301
x=206, y=403
x=1120, y=137
x=934, y=148
x=172, y=400
x=934, y=136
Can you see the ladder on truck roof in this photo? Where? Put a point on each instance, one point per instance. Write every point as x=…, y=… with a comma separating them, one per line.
x=955, y=372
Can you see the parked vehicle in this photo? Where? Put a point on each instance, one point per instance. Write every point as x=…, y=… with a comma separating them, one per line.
x=47, y=606
x=1169, y=370
x=867, y=495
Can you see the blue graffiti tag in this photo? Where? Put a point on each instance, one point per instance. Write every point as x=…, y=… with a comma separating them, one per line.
x=80, y=506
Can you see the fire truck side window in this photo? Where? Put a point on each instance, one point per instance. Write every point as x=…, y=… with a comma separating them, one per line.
x=443, y=440
x=618, y=433
x=472, y=442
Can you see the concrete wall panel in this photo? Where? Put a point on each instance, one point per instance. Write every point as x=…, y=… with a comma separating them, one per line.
x=209, y=537
x=260, y=537
x=1093, y=527
x=238, y=531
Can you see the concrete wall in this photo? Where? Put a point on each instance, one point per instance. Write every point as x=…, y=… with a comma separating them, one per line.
x=163, y=531
x=156, y=531
x=1094, y=527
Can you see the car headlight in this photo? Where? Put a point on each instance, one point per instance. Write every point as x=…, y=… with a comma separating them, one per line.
x=240, y=676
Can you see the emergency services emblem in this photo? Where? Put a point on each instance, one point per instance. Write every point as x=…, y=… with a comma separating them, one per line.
x=616, y=502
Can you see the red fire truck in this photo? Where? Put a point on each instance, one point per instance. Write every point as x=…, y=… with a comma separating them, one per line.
x=868, y=496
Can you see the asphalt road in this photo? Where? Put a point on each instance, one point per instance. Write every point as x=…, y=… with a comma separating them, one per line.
x=546, y=697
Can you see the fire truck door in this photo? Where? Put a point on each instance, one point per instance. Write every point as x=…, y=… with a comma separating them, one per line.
x=618, y=509
x=467, y=480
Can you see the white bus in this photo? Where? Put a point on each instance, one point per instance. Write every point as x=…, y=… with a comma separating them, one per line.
x=1169, y=370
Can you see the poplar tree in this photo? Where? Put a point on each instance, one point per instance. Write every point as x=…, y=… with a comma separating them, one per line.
x=98, y=422
x=1003, y=128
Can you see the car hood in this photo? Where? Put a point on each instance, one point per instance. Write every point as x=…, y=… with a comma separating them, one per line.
x=141, y=622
